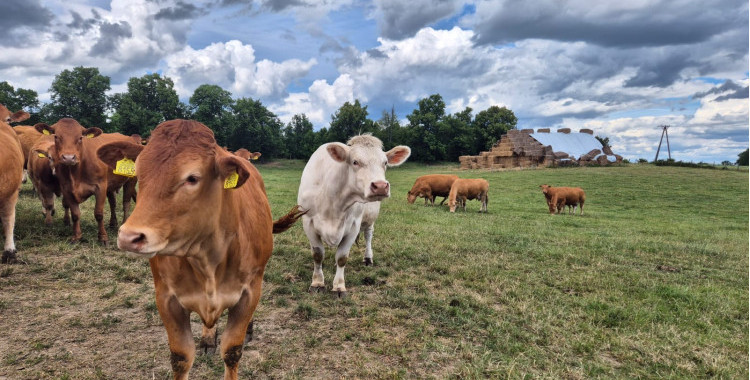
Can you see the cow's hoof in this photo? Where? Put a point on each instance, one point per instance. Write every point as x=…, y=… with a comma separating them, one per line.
x=316, y=289
x=9, y=257
x=339, y=293
x=104, y=243
x=205, y=349
x=368, y=262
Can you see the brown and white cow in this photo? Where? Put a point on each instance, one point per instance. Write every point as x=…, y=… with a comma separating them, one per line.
x=81, y=174
x=464, y=189
x=559, y=197
x=41, y=170
x=430, y=186
x=11, y=173
x=204, y=220
x=337, y=185
x=246, y=154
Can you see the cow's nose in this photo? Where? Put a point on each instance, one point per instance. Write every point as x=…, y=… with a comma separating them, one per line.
x=379, y=188
x=68, y=159
x=129, y=240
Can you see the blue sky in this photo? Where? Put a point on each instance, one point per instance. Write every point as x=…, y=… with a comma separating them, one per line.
x=619, y=68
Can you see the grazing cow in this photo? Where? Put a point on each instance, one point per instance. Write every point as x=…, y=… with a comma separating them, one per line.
x=11, y=173
x=336, y=184
x=41, y=167
x=468, y=189
x=431, y=186
x=559, y=197
x=81, y=174
x=204, y=220
x=246, y=154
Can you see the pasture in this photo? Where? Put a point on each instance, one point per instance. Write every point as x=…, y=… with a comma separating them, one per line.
x=652, y=282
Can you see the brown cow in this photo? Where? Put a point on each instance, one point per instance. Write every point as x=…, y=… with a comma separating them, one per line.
x=431, y=186
x=81, y=174
x=559, y=197
x=28, y=136
x=41, y=167
x=246, y=154
x=11, y=173
x=468, y=189
x=204, y=220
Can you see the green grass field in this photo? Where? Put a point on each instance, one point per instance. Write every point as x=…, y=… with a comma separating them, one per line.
x=652, y=282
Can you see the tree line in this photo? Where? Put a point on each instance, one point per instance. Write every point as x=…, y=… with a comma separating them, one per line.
x=432, y=134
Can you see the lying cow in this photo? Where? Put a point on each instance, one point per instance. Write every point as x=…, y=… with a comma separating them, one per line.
x=468, y=189
x=431, y=186
x=559, y=197
x=41, y=170
x=11, y=174
x=204, y=221
x=81, y=174
x=246, y=154
x=337, y=185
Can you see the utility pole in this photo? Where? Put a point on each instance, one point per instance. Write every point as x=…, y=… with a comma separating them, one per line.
x=663, y=134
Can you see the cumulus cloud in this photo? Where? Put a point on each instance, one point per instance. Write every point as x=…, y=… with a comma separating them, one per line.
x=399, y=19
x=21, y=18
x=232, y=65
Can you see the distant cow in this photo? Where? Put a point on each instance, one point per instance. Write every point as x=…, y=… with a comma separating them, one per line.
x=41, y=167
x=81, y=174
x=11, y=173
x=204, y=220
x=468, y=189
x=336, y=186
x=246, y=154
x=559, y=197
x=431, y=186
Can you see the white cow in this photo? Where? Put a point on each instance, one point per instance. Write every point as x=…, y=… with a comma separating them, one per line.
x=340, y=185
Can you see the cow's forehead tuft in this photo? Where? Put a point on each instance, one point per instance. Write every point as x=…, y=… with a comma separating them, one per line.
x=366, y=140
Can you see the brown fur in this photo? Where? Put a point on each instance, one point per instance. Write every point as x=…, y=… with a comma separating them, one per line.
x=41, y=168
x=468, y=189
x=11, y=172
x=28, y=136
x=246, y=154
x=222, y=237
x=88, y=175
x=431, y=186
x=559, y=197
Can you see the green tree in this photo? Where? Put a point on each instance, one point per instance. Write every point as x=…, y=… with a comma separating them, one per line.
x=348, y=121
x=81, y=94
x=212, y=106
x=150, y=100
x=299, y=137
x=389, y=129
x=742, y=158
x=458, y=135
x=422, y=133
x=256, y=129
x=491, y=124
x=20, y=99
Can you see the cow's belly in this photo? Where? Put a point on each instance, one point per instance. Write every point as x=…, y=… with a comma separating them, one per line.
x=209, y=306
x=332, y=232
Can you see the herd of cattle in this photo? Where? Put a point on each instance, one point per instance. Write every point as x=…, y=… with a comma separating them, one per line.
x=210, y=262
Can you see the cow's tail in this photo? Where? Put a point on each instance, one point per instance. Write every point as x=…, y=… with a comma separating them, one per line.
x=282, y=224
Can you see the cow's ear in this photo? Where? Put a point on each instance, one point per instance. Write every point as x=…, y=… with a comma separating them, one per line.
x=19, y=116
x=44, y=128
x=92, y=132
x=41, y=153
x=254, y=156
x=338, y=151
x=398, y=155
x=232, y=171
x=116, y=151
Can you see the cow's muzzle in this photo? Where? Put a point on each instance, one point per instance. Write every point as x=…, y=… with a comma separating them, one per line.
x=380, y=188
x=68, y=159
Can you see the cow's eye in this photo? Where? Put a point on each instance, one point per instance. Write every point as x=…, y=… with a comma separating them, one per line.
x=191, y=180
x=355, y=163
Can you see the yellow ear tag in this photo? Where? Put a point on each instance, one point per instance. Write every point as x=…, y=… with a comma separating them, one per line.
x=41, y=155
x=125, y=167
x=254, y=158
x=231, y=181
x=45, y=132
x=90, y=135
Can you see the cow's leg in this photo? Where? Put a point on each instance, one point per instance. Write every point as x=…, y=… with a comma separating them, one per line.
x=581, y=207
x=318, y=252
x=426, y=200
x=66, y=212
x=48, y=205
x=128, y=194
x=99, y=215
x=8, y=218
x=176, y=321
x=112, y=209
x=238, y=321
x=207, y=344
x=75, y=216
x=443, y=201
x=368, y=230
x=342, y=255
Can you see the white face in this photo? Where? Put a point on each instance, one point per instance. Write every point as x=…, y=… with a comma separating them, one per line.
x=368, y=166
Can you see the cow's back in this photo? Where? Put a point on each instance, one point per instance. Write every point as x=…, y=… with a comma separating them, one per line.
x=11, y=161
x=439, y=183
x=27, y=136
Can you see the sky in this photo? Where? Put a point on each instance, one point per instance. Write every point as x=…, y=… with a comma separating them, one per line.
x=621, y=68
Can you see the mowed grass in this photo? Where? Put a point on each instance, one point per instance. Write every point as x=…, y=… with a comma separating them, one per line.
x=652, y=282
